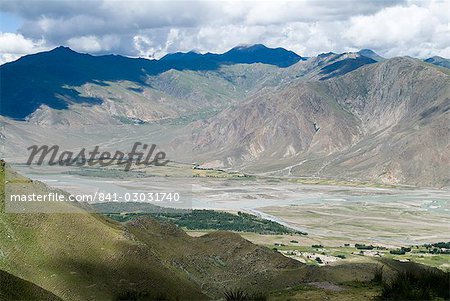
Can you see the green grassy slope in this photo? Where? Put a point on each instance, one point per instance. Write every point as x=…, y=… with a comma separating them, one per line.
x=219, y=261
x=82, y=256
x=15, y=288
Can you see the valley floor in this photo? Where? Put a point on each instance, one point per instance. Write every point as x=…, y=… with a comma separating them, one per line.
x=331, y=214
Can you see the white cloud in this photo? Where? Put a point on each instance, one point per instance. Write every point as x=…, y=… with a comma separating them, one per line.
x=13, y=46
x=411, y=30
x=93, y=44
x=146, y=47
x=154, y=28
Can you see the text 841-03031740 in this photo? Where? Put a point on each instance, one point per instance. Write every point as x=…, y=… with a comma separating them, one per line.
x=149, y=197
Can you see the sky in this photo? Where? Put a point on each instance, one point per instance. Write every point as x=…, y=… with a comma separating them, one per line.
x=152, y=29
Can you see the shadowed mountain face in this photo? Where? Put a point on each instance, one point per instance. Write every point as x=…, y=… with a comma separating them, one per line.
x=345, y=66
x=239, y=55
x=371, y=54
x=438, y=61
x=260, y=54
x=46, y=78
x=13, y=288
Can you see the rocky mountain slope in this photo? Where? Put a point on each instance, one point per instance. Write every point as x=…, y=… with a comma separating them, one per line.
x=74, y=88
x=387, y=121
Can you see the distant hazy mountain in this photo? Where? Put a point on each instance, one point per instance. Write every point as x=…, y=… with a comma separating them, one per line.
x=238, y=55
x=438, y=61
x=371, y=54
x=261, y=54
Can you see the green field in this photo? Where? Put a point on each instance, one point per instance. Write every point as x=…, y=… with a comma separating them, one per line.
x=214, y=220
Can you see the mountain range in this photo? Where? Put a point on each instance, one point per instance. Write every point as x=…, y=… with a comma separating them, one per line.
x=354, y=116
x=61, y=68
x=387, y=121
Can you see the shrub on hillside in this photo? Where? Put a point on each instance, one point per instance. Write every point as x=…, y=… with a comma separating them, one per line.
x=241, y=295
x=422, y=285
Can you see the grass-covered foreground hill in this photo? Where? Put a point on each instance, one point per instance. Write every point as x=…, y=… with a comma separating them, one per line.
x=12, y=287
x=80, y=256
